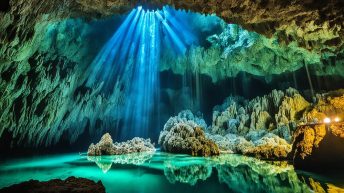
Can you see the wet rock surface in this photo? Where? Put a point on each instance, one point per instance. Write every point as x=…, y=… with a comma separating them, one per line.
x=69, y=185
x=318, y=146
x=106, y=146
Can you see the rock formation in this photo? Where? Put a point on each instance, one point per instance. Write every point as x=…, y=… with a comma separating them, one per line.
x=277, y=112
x=313, y=24
x=267, y=146
x=183, y=135
x=318, y=146
x=107, y=147
x=69, y=185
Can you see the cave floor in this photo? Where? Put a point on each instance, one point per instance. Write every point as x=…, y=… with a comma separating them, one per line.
x=163, y=172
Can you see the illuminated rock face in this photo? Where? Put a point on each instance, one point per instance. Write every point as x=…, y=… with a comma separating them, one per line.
x=318, y=146
x=276, y=112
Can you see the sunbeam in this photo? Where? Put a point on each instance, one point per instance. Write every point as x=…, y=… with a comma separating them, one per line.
x=129, y=61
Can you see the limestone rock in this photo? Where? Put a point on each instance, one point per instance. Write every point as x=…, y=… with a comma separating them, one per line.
x=318, y=146
x=107, y=147
x=185, y=136
x=261, y=145
x=278, y=112
x=269, y=147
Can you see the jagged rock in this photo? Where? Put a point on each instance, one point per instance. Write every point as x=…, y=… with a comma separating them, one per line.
x=318, y=146
x=186, y=136
x=269, y=147
x=69, y=185
x=259, y=144
x=107, y=147
x=277, y=112
x=327, y=105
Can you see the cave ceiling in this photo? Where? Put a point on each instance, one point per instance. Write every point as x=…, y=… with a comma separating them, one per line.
x=314, y=24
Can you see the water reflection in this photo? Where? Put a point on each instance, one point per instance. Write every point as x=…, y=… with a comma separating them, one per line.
x=105, y=162
x=188, y=174
x=169, y=173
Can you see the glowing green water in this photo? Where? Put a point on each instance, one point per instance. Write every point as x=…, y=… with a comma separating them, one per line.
x=162, y=172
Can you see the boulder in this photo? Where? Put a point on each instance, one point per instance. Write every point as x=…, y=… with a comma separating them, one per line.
x=186, y=136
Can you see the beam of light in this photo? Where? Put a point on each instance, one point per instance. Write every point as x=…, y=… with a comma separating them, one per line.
x=187, y=36
x=129, y=64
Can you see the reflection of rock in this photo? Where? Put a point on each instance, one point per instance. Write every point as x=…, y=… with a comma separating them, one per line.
x=320, y=187
x=70, y=185
x=189, y=174
x=181, y=135
x=107, y=147
x=245, y=174
x=105, y=162
x=319, y=146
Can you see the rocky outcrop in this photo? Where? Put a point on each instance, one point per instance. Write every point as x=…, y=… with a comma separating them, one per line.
x=69, y=185
x=263, y=145
x=277, y=112
x=181, y=135
x=318, y=146
x=107, y=147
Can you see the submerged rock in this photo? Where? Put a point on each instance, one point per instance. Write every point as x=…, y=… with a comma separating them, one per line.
x=69, y=185
x=186, y=136
x=107, y=147
x=318, y=146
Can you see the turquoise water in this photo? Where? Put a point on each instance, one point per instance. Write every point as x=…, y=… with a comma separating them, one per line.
x=163, y=172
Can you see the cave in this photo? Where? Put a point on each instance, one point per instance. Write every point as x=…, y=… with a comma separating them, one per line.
x=171, y=96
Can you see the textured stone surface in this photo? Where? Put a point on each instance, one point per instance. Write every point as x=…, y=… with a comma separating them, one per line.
x=318, y=146
x=184, y=135
x=69, y=185
x=277, y=112
x=314, y=24
x=268, y=146
x=106, y=146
